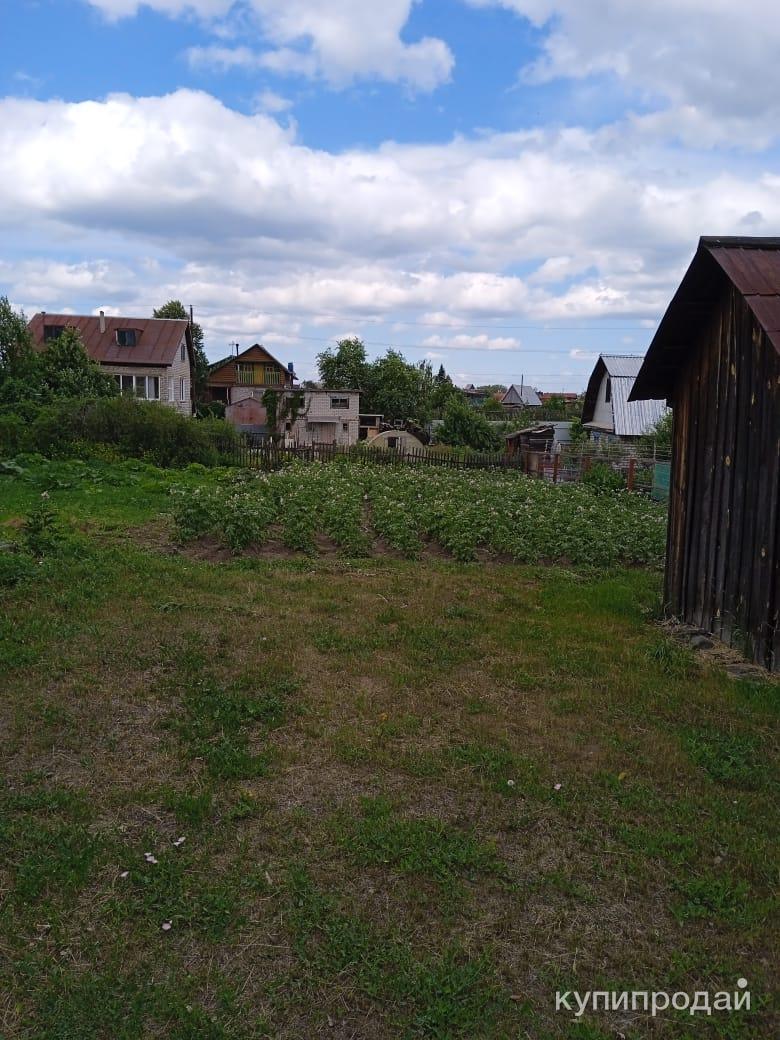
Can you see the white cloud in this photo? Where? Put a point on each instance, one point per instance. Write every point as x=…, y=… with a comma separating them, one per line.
x=338, y=40
x=480, y=341
x=713, y=64
x=583, y=355
x=186, y=197
x=270, y=101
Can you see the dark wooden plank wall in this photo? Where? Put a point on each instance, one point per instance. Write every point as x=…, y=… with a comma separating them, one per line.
x=723, y=557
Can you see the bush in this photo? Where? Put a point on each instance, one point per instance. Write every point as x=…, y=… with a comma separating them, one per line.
x=463, y=427
x=120, y=427
x=603, y=478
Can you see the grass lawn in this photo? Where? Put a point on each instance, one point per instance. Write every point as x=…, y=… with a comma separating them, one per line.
x=296, y=796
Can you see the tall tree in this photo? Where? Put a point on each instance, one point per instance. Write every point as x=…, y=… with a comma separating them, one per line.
x=176, y=309
x=346, y=367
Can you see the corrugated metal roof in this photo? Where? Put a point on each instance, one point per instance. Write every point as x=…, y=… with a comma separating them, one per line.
x=622, y=364
x=157, y=339
x=633, y=418
x=752, y=265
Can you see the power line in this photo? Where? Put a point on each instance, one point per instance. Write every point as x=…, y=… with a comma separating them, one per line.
x=396, y=345
x=538, y=326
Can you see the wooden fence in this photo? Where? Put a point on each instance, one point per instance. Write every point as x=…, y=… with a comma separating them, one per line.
x=639, y=473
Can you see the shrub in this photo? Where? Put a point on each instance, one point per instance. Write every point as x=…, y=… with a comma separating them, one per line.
x=603, y=478
x=126, y=427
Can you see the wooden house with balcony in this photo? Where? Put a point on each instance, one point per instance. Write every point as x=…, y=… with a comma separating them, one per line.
x=241, y=380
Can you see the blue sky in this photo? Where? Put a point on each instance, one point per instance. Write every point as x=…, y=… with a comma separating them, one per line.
x=507, y=187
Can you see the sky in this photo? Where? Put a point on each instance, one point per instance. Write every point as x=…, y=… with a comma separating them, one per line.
x=505, y=187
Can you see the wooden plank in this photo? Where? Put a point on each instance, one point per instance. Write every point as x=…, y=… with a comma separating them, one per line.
x=766, y=480
x=735, y=585
x=689, y=535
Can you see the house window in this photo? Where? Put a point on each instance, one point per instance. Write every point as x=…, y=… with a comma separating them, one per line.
x=339, y=402
x=273, y=376
x=125, y=337
x=345, y=427
x=608, y=391
x=51, y=332
x=183, y=351
x=182, y=388
x=392, y=442
x=147, y=387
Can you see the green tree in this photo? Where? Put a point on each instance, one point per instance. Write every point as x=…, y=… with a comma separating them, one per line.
x=577, y=432
x=659, y=438
x=19, y=375
x=443, y=390
x=397, y=391
x=464, y=427
x=493, y=409
x=346, y=367
x=66, y=370
x=176, y=309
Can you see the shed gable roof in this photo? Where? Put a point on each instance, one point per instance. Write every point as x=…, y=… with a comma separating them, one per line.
x=521, y=395
x=629, y=418
x=157, y=339
x=751, y=265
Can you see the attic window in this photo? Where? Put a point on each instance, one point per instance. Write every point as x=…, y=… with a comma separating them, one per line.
x=608, y=391
x=125, y=337
x=51, y=332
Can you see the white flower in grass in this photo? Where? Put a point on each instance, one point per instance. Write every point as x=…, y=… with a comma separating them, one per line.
x=557, y=787
x=167, y=925
x=510, y=783
x=179, y=841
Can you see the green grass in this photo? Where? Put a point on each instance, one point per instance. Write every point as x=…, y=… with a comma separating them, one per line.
x=416, y=797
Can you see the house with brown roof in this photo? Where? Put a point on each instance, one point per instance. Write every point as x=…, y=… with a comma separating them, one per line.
x=241, y=380
x=150, y=358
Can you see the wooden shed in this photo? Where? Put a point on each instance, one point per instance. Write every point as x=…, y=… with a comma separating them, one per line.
x=716, y=359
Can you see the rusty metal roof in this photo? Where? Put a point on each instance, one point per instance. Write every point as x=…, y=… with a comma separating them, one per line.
x=752, y=265
x=157, y=339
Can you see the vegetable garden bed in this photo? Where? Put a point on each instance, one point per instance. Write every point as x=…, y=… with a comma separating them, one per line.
x=464, y=513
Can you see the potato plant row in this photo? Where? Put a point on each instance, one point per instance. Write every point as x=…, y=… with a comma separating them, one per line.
x=462, y=511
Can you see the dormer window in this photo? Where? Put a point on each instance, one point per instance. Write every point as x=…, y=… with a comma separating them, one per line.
x=51, y=332
x=125, y=337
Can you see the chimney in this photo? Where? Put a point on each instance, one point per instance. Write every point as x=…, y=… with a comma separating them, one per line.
x=102, y=321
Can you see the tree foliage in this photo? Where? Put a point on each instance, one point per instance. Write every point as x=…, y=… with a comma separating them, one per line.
x=62, y=369
x=659, y=438
x=389, y=386
x=464, y=427
x=176, y=309
x=346, y=367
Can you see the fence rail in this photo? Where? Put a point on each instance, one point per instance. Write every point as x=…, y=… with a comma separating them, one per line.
x=639, y=472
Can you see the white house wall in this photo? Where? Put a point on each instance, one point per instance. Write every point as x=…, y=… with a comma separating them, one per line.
x=322, y=423
x=602, y=413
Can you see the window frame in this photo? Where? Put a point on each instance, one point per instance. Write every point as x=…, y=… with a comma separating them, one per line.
x=124, y=334
x=335, y=406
